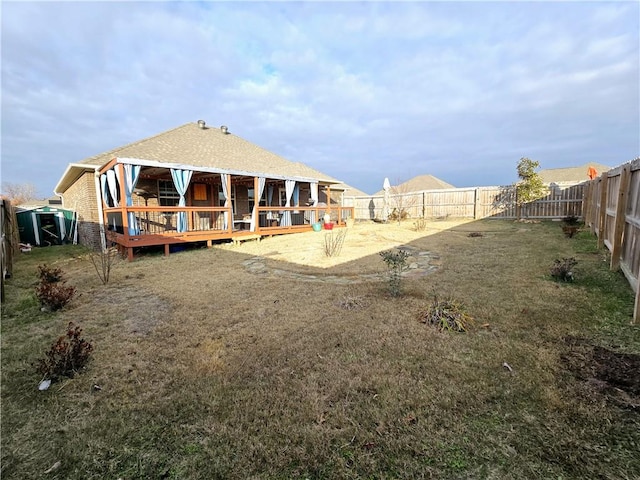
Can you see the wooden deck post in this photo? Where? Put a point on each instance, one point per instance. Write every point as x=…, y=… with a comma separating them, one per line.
x=255, y=213
x=602, y=213
x=620, y=218
x=123, y=201
x=229, y=205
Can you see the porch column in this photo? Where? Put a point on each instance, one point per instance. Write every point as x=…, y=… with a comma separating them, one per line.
x=123, y=196
x=255, y=214
x=230, y=205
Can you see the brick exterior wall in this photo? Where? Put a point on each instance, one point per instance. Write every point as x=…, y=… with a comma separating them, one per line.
x=81, y=197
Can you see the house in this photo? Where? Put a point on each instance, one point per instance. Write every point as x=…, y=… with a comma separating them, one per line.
x=571, y=175
x=418, y=184
x=193, y=183
x=350, y=191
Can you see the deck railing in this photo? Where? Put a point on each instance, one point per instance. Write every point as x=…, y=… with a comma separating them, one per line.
x=166, y=220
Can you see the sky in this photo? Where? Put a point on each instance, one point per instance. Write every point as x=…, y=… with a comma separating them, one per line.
x=358, y=90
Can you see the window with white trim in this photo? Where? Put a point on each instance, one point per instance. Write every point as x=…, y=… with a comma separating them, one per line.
x=168, y=196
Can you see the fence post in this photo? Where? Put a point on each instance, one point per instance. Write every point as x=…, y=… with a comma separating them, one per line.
x=620, y=218
x=636, y=308
x=476, y=203
x=602, y=213
x=586, y=203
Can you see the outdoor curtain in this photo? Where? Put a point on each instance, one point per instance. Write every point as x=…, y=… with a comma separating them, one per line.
x=112, y=183
x=289, y=185
x=181, y=179
x=227, y=199
x=256, y=201
x=296, y=195
x=314, y=199
x=105, y=189
x=131, y=174
x=269, y=195
x=109, y=185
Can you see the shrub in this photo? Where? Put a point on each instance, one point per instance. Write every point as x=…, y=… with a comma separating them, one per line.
x=396, y=262
x=54, y=295
x=67, y=356
x=398, y=214
x=52, y=292
x=420, y=224
x=571, y=220
x=333, y=242
x=447, y=314
x=563, y=269
x=48, y=274
x=475, y=234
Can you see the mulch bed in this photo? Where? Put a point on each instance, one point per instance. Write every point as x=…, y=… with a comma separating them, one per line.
x=613, y=374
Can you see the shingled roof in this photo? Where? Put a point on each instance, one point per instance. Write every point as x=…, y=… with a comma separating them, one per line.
x=571, y=174
x=208, y=147
x=419, y=183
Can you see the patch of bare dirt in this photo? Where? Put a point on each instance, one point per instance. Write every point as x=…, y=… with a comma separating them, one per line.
x=363, y=239
x=613, y=374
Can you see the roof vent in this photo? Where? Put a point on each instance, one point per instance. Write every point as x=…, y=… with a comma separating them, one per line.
x=201, y=124
x=224, y=129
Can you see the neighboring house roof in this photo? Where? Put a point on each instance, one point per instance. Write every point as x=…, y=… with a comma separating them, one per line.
x=350, y=191
x=419, y=183
x=571, y=174
x=207, y=147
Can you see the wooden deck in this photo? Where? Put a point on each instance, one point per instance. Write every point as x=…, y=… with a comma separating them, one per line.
x=140, y=226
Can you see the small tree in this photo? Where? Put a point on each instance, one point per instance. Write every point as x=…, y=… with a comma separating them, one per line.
x=103, y=261
x=530, y=187
x=396, y=261
x=401, y=201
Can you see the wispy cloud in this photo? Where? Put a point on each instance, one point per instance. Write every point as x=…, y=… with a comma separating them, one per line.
x=357, y=90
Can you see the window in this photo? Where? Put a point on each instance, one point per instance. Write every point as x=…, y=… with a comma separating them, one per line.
x=222, y=198
x=168, y=196
x=283, y=196
x=251, y=198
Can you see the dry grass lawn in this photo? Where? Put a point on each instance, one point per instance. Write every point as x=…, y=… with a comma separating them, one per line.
x=209, y=370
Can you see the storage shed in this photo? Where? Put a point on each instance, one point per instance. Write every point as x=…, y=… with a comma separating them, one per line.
x=45, y=225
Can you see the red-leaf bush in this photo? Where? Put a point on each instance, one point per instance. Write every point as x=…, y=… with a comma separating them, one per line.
x=67, y=356
x=52, y=291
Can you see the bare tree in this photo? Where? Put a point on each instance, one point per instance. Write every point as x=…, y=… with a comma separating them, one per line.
x=401, y=201
x=19, y=193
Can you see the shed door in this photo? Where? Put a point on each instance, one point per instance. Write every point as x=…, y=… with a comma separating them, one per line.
x=49, y=229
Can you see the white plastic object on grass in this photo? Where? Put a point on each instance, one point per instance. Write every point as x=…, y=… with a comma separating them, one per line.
x=44, y=384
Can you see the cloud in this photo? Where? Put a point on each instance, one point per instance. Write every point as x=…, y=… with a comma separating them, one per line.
x=359, y=91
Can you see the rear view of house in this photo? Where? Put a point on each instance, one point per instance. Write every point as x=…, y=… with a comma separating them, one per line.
x=193, y=183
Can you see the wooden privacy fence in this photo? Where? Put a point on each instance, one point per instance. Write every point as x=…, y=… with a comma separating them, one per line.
x=9, y=245
x=609, y=205
x=612, y=211
x=472, y=202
